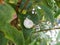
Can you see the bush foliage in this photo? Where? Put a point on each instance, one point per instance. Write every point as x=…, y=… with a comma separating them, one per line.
x=24, y=22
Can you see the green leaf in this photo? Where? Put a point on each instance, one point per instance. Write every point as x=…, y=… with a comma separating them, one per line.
x=13, y=34
x=39, y=13
x=58, y=36
x=58, y=43
x=11, y=1
x=34, y=18
x=57, y=13
x=44, y=2
x=43, y=42
x=22, y=18
x=58, y=3
x=22, y=4
x=29, y=6
x=33, y=42
x=26, y=32
x=7, y=13
x=3, y=40
x=50, y=3
x=48, y=13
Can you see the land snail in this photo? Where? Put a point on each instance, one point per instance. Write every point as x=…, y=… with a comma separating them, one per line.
x=28, y=23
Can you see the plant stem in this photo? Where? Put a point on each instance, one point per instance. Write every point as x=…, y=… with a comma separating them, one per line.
x=26, y=3
x=18, y=4
x=1, y=1
x=47, y=30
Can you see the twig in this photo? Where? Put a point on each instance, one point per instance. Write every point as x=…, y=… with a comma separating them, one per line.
x=15, y=21
x=18, y=4
x=47, y=30
x=1, y=1
x=26, y=3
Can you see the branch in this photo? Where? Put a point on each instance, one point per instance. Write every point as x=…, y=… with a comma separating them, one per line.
x=47, y=30
x=18, y=4
x=1, y=1
x=26, y=3
x=15, y=21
